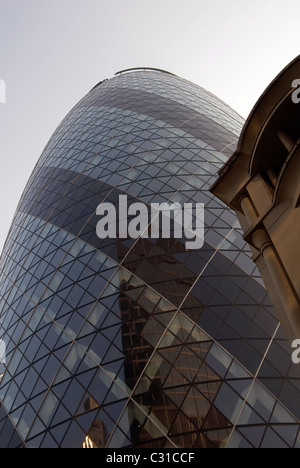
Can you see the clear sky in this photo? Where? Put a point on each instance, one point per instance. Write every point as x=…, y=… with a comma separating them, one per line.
x=52, y=52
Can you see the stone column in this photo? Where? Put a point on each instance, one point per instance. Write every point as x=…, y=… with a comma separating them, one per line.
x=286, y=140
x=248, y=210
x=281, y=281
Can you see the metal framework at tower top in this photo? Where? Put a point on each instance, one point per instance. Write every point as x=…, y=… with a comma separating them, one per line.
x=144, y=69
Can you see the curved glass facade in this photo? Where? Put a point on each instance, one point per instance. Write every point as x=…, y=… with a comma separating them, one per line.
x=138, y=343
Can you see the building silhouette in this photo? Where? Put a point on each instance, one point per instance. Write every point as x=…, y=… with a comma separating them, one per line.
x=261, y=183
x=138, y=343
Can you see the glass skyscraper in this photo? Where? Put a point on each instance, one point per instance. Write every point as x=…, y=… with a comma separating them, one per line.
x=138, y=343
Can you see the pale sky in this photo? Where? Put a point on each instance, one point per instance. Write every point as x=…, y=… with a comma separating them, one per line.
x=52, y=52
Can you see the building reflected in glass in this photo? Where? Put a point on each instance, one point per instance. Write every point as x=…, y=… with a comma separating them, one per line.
x=138, y=343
